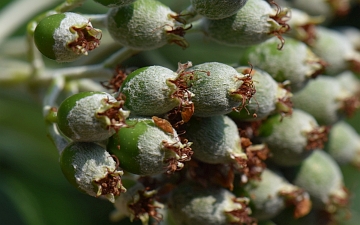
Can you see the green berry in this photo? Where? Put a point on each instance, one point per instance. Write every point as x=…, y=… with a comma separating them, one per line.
x=270, y=97
x=333, y=47
x=114, y=3
x=292, y=139
x=137, y=203
x=190, y=204
x=254, y=23
x=91, y=169
x=217, y=88
x=272, y=193
x=326, y=99
x=217, y=9
x=148, y=91
x=321, y=177
x=66, y=36
x=90, y=116
x=295, y=63
x=344, y=144
x=215, y=140
x=145, y=25
x=148, y=147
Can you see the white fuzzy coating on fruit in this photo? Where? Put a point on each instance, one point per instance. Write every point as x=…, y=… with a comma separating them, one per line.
x=250, y=25
x=288, y=139
x=212, y=93
x=266, y=195
x=195, y=205
x=263, y=103
x=321, y=177
x=83, y=122
x=349, y=81
x=152, y=154
x=333, y=47
x=294, y=63
x=63, y=36
x=217, y=9
x=322, y=98
x=344, y=144
x=148, y=93
x=215, y=139
x=91, y=163
x=145, y=25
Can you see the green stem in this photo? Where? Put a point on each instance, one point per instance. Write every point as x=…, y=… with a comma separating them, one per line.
x=119, y=57
x=49, y=113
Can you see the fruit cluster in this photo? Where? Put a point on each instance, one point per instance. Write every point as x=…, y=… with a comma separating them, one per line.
x=259, y=141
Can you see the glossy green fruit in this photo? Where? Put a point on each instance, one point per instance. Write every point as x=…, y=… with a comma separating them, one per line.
x=90, y=116
x=66, y=36
x=91, y=169
x=147, y=147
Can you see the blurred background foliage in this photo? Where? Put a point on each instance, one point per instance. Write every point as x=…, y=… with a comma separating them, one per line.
x=33, y=190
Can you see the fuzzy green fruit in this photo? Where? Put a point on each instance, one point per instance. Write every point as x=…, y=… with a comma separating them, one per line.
x=66, y=36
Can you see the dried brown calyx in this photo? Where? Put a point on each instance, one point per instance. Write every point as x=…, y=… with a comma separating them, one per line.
x=116, y=81
x=111, y=183
x=145, y=205
x=182, y=83
x=281, y=17
x=113, y=115
x=351, y=105
x=88, y=39
x=255, y=165
x=241, y=215
x=317, y=137
x=182, y=153
x=246, y=90
x=299, y=199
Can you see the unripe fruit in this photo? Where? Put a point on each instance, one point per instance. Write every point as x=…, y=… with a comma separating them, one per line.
x=325, y=99
x=66, y=36
x=90, y=116
x=295, y=63
x=344, y=144
x=114, y=3
x=321, y=177
x=91, y=169
x=217, y=88
x=148, y=91
x=254, y=23
x=137, y=203
x=145, y=25
x=191, y=204
x=333, y=47
x=273, y=193
x=270, y=97
x=292, y=139
x=215, y=140
x=149, y=147
x=217, y=9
